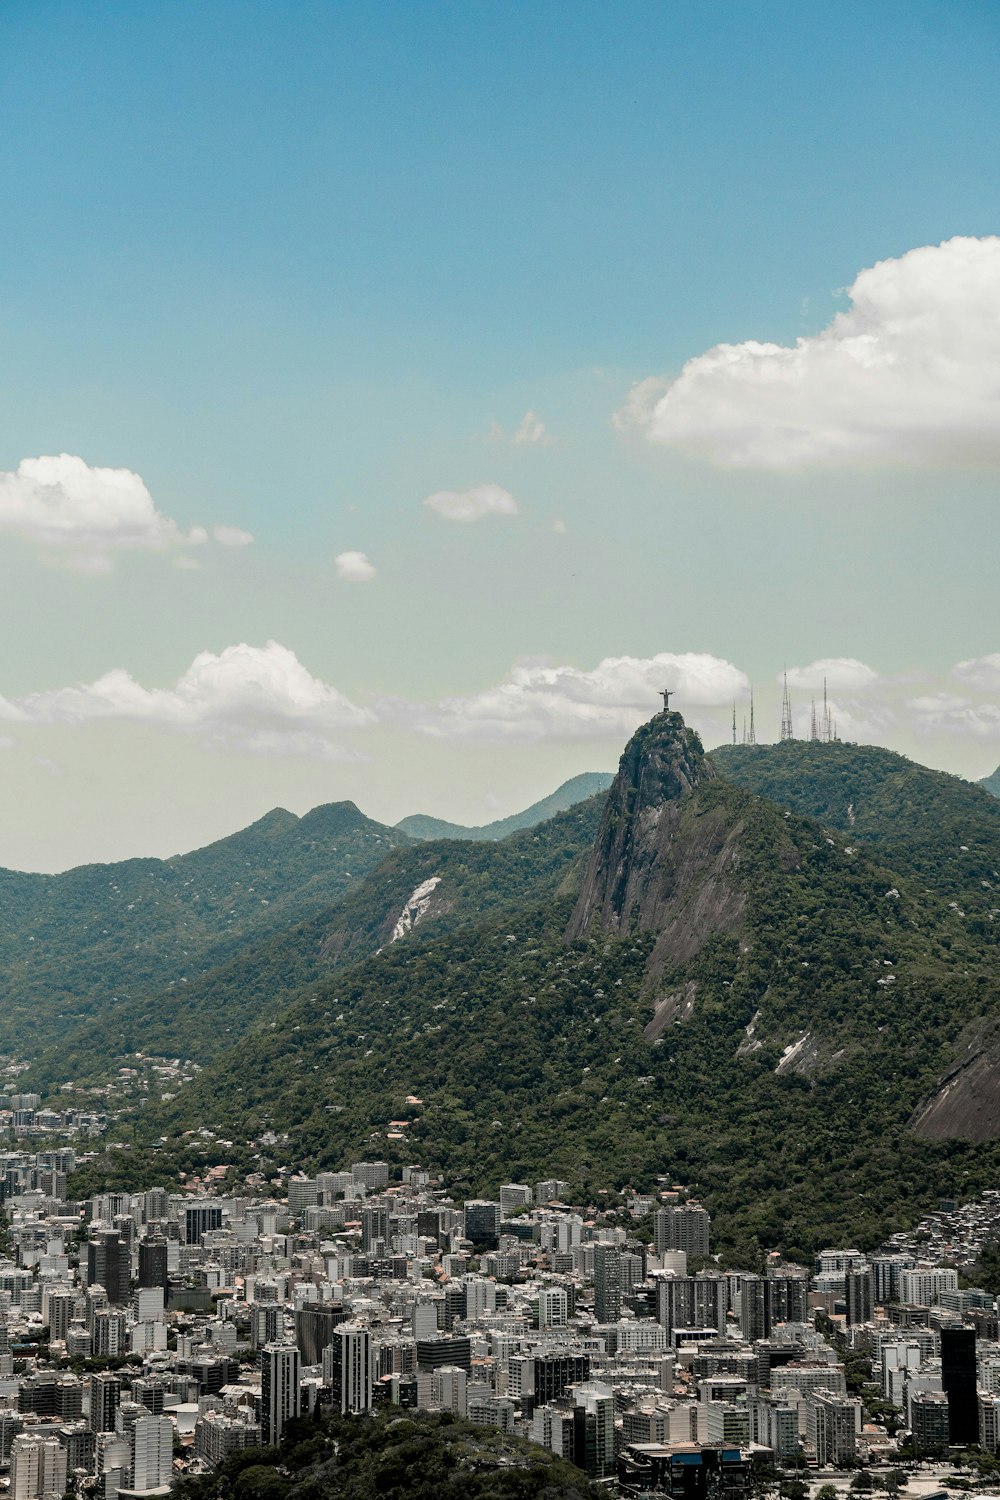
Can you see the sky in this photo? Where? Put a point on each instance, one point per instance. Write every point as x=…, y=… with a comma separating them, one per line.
x=394, y=398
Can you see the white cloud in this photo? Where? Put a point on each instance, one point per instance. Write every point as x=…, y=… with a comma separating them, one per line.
x=354, y=567
x=261, y=700
x=472, y=504
x=7, y=742
x=910, y=373
x=82, y=515
x=532, y=430
x=232, y=536
x=980, y=672
x=538, y=700
x=844, y=672
x=950, y=713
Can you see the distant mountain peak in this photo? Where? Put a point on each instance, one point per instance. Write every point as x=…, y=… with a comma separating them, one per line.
x=569, y=794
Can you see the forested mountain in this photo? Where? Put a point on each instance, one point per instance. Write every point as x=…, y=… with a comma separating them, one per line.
x=73, y=946
x=606, y=1031
x=941, y=830
x=577, y=789
x=412, y=891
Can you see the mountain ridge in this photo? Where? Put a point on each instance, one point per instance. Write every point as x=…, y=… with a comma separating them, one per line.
x=577, y=789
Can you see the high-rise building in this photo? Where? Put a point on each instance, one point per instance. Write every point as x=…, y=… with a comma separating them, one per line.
x=199, y=1219
x=838, y=1423
x=315, y=1325
x=753, y=1308
x=374, y=1228
x=929, y=1422
x=514, y=1195
x=153, y=1264
x=105, y=1399
x=37, y=1467
x=62, y=1306
x=958, y=1377
x=482, y=1223
x=279, y=1391
x=682, y=1226
x=108, y=1266
x=787, y=1300
x=373, y=1176
x=151, y=1454
x=858, y=1296
x=594, y=1429
x=348, y=1368
x=607, y=1283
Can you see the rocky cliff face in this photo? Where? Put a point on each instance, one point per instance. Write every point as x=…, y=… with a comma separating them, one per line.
x=663, y=861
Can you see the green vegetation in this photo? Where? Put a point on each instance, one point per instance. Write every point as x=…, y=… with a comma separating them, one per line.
x=208, y=1014
x=940, y=830
x=529, y=1055
x=577, y=789
x=396, y=1455
x=78, y=946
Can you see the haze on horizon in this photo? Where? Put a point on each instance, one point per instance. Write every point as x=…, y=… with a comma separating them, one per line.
x=397, y=398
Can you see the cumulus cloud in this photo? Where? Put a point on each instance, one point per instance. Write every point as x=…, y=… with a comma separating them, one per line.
x=909, y=373
x=838, y=672
x=259, y=699
x=538, y=700
x=950, y=713
x=354, y=567
x=83, y=515
x=980, y=672
x=472, y=504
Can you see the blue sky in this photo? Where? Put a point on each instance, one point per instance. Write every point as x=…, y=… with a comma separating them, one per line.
x=301, y=267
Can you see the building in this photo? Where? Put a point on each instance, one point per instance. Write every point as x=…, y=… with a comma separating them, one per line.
x=108, y=1265
x=958, y=1377
x=199, y=1219
x=348, y=1368
x=151, y=1453
x=929, y=1422
x=315, y=1325
x=38, y=1467
x=683, y=1226
x=105, y=1399
x=482, y=1223
x=153, y=1264
x=279, y=1390
x=607, y=1283
x=859, y=1296
x=514, y=1195
x=838, y=1424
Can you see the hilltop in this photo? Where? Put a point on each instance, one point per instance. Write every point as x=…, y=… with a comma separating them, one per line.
x=75, y=945
x=577, y=789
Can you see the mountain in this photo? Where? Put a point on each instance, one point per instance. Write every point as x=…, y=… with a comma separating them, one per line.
x=577, y=789
x=410, y=892
x=937, y=828
x=75, y=944
x=992, y=783
x=723, y=992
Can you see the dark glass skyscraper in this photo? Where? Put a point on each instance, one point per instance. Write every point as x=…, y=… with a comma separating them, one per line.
x=958, y=1376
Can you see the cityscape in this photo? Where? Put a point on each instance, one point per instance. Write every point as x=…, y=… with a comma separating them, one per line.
x=149, y=1336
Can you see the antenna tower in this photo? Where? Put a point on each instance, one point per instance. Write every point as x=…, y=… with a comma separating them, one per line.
x=826, y=731
x=752, y=736
x=813, y=726
x=787, y=733
x=734, y=721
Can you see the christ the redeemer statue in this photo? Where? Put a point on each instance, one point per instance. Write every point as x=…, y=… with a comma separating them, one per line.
x=668, y=693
